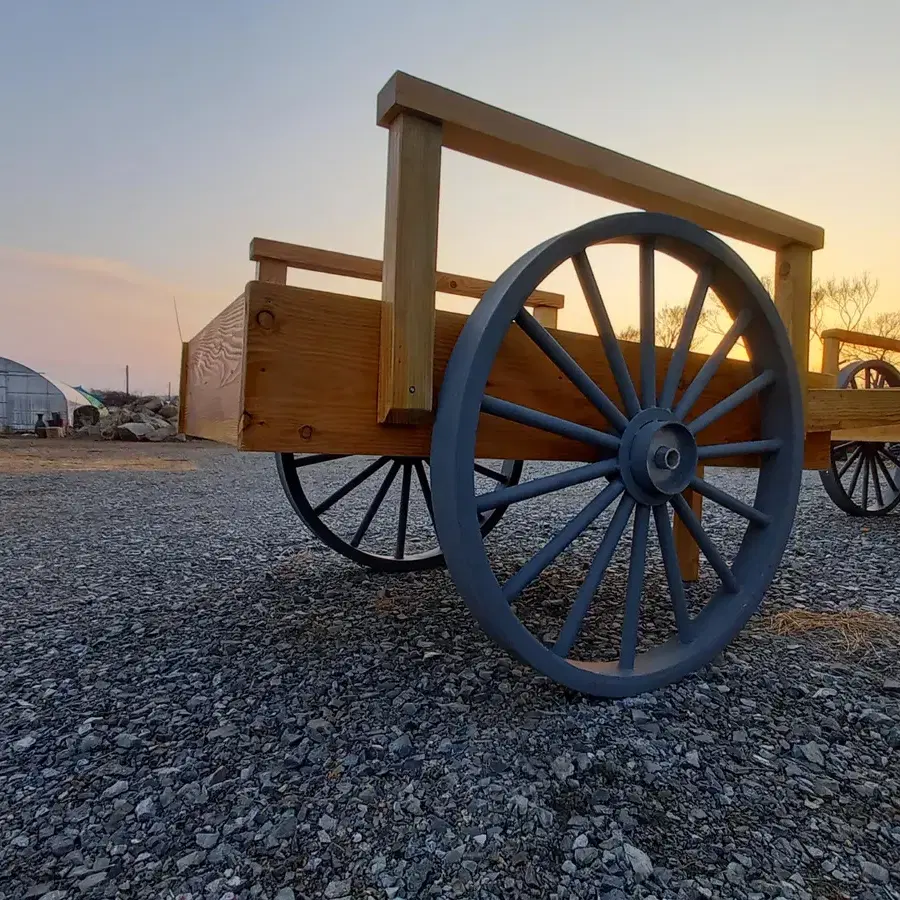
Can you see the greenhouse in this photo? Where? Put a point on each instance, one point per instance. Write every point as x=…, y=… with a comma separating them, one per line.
x=25, y=394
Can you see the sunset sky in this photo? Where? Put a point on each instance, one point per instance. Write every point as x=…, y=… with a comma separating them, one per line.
x=144, y=144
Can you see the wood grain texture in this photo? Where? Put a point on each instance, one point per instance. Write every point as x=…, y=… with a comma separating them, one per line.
x=271, y=270
x=793, y=299
x=409, y=272
x=211, y=401
x=311, y=384
x=839, y=410
x=365, y=268
x=547, y=316
x=495, y=135
x=861, y=339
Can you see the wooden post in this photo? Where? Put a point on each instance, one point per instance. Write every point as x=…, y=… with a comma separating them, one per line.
x=273, y=271
x=406, y=358
x=685, y=546
x=831, y=352
x=793, y=297
x=546, y=315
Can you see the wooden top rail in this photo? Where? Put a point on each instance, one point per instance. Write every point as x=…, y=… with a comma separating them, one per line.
x=331, y=263
x=492, y=134
x=861, y=339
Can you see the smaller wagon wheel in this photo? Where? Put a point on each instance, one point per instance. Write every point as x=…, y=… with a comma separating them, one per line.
x=403, y=539
x=864, y=478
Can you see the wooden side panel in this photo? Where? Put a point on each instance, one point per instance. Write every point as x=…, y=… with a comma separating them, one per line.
x=312, y=381
x=846, y=409
x=211, y=404
x=182, y=385
x=498, y=136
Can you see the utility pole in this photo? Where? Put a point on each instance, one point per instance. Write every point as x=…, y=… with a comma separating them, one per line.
x=127, y=393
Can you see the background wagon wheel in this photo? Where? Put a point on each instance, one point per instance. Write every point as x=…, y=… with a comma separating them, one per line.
x=403, y=538
x=644, y=453
x=864, y=478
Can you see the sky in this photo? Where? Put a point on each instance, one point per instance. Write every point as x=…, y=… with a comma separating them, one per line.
x=144, y=145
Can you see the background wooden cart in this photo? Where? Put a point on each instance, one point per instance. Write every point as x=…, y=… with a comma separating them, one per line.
x=312, y=375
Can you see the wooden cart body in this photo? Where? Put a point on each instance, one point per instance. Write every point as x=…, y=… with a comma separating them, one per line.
x=287, y=369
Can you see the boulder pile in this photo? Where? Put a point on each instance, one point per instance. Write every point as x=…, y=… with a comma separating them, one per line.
x=144, y=419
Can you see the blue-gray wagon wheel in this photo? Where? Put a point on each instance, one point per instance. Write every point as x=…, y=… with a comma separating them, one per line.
x=377, y=511
x=864, y=477
x=643, y=461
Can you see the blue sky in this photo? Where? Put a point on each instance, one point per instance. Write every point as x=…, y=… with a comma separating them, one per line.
x=145, y=144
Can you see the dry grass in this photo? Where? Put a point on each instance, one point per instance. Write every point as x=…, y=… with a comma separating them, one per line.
x=22, y=464
x=852, y=631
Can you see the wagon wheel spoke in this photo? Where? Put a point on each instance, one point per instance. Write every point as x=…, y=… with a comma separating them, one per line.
x=865, y=481
x=723, y=498
x=314, y=459
x=891, y=455
x=711, y=366
x=547, y=484
x=490, y=473
x=572, y=626
x=634, y=588
x=739, y=448
x=732, y=401
x=556, y=545
x=425, y=487
x=666, y=538
x=686, y=336
x=855, y=477
x=849, y=461
x=403, y=517
x=876, y=482
x=884, y=471
x=375, y=505
x=351, y=485
x=524, y=415
x=608, y=337
x=647, y=294
x=702, y=539
x=564, y=362
x=867, y=376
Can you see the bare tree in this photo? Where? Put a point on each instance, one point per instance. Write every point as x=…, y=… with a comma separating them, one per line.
x=669, y=320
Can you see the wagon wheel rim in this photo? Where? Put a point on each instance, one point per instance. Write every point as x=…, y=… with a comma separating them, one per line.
x=864, y=476
x=410, y=479
x=645, y=456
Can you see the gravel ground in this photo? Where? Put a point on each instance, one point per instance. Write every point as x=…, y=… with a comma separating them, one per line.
x=198, y=700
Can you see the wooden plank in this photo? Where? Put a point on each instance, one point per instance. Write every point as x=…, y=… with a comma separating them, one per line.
x=410, y=269
x=182, y=384
x=685, y=546
x=365, y=268
x=793, y=289
x=861, y=339
x=492, y=134
x=311, y=383
x=834, y=409
x=211, y=402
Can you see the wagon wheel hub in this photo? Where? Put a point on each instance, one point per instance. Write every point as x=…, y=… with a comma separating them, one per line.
x=657, y=456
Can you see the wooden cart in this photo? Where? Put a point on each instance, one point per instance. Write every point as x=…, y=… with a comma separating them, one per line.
x=420, y=398
x=862, y=478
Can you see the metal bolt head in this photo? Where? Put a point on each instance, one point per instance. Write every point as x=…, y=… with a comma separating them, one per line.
x=412, y=388
x=265, y=319
x=306, y=432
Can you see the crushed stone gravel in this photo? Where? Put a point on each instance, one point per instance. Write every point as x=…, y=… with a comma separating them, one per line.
x=198, y=700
